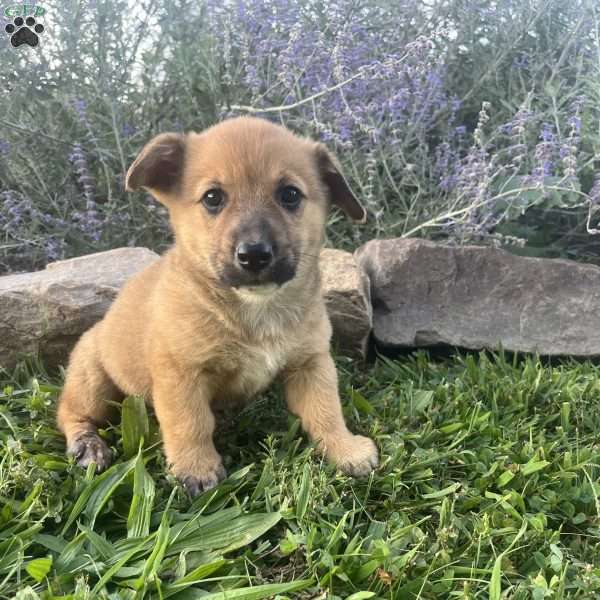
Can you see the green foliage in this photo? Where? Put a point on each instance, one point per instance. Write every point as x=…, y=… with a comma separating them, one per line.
x=110, y=74
x=489, y=487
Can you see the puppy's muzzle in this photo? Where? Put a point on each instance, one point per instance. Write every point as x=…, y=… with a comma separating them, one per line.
x=257, y=263
x=254, y=257
x=260, y=254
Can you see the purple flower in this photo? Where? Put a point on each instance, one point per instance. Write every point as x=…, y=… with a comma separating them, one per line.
x=575, y=123
x=29, y=229
x=547, y=134
x=521, y=61
x=89, y=221
x=570, y=147
x=544, y=154
x=128, y=130
x=79, y=160
x=80, y=107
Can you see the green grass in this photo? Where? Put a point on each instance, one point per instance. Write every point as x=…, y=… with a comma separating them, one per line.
x=488, y=488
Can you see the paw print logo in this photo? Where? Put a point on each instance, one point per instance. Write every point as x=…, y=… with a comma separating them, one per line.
x=24, y=32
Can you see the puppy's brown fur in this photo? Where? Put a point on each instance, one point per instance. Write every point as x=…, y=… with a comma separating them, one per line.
x=194, y=331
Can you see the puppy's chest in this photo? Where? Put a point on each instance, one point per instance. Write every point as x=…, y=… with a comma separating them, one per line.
x=255, y=367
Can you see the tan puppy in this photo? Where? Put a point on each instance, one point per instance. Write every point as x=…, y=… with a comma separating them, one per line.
x=233, y=304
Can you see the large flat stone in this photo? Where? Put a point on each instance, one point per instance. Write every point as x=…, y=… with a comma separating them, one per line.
x=425, y=294
x=346, y=293
x=45, y=312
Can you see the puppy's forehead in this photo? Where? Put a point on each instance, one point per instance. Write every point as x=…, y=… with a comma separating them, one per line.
x=249, y=150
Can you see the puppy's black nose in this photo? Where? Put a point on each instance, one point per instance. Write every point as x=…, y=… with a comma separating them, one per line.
x=254, y=256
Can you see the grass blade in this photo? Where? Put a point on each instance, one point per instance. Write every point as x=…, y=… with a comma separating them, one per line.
x=39, y=568
x=227, y=535
x=441, y=493
x=120, y=563
x=104, y=548
x=134, y=424
x=304, y=494
x=152, y=565
x=495, y=587
x=98, y=492
x=140, y=511
x=260, y=591
x=194, y=576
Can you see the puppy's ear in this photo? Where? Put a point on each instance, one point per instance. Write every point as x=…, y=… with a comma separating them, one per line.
x=159, y=166
x=339, y=191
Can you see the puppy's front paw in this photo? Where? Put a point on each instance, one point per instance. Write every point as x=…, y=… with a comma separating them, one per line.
x=209, y=478
x=89, y=447
x=356, y=456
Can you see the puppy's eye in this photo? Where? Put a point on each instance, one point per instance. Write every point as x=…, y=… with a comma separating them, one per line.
x=213, y=200
x=290, y=197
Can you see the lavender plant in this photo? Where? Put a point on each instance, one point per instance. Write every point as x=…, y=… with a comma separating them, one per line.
x=465, y=121
x=377, y=87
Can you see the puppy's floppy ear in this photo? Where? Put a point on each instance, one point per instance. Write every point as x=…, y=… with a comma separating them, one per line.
x=159, y=165
x=339, y=191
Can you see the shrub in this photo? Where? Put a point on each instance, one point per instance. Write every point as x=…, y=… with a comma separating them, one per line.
x=467, y=121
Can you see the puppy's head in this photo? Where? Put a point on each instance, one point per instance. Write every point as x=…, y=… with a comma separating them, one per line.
x=247, y=199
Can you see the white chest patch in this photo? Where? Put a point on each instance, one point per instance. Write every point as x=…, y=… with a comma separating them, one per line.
x=258, y=368
x=271, y=319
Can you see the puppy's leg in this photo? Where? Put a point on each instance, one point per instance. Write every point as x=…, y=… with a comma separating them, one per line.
x=83, y=404
x=312, y=394
x=182, y=406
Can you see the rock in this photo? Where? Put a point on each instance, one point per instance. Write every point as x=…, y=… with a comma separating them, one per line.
x=346, y=293
x=45, y=312
x=425, y=294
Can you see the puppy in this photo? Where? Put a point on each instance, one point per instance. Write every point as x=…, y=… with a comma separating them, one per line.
x=233, y=304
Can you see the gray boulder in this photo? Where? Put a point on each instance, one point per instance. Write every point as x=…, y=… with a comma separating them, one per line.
x=425, y=294
x=346, y=293
x=45, y=312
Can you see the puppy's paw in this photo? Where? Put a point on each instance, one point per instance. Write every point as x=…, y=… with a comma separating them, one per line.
x=202, y=482
x=89, y=447
x=357, y=456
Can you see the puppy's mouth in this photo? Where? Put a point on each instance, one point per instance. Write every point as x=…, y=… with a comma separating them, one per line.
x=257, y=292
x=263, y=283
